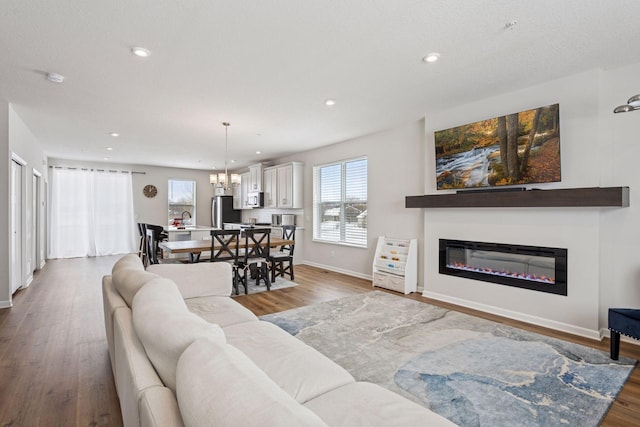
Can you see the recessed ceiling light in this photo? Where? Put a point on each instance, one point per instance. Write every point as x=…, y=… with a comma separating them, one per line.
x=432, y=57
x=140, y=51
x=55, y=78
x=109, y=148
x=232, y=161
x=114, y=134
x=105, y=158
x=257, y=152
x=330, y=102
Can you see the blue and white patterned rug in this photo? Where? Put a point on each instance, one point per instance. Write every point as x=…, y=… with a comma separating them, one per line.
x=473, y=371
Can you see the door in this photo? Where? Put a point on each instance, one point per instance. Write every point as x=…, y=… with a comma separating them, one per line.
x=16, y=225
x=34, y=222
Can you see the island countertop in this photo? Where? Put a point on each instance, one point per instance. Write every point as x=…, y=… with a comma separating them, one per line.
x=191, y=228
x=190, y=232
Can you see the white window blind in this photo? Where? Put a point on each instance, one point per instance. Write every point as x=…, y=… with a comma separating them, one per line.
x=340, y=202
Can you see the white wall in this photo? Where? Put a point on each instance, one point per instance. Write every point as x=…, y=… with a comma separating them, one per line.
x=395, y=170
x=23, y=143
x=619, y=228
x=155, y=210
x=5, y=242
x=17, y=139
x=590, y=156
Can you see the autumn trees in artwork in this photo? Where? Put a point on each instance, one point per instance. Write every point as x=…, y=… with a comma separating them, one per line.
x=516, y=149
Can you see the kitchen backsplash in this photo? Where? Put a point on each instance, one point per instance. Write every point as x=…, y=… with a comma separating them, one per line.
x=264, y=215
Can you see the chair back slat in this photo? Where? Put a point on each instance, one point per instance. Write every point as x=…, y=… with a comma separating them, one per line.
x=288, y=233
x=256, y=243
x=224, y=245
x=152, y=254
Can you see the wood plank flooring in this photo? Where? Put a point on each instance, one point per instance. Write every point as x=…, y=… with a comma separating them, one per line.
x=54, y=365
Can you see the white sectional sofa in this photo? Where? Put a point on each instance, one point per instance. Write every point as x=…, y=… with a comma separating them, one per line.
x=184, y=353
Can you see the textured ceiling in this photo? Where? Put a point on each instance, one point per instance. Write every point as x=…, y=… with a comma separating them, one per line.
x=267, y=67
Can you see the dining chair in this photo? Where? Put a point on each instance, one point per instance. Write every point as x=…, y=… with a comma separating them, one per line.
x=224, y=248
x=142, y=250
x=255, y=257
x=282, y=260
x=159, y=235
x=152, y=250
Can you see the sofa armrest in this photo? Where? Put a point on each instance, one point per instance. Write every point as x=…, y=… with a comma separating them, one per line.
x=159, y=408
x=199, y=279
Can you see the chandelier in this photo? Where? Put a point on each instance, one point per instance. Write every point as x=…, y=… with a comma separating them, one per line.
x=221, y=181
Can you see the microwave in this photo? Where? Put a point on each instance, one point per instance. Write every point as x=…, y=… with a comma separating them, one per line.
x=255, y=199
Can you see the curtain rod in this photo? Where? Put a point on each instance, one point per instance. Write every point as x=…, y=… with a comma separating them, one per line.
x=96, y=169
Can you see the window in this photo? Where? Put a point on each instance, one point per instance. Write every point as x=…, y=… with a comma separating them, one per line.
x=182, y=201
x=340, y=202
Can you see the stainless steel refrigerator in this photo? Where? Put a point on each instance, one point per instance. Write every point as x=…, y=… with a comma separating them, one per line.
x=222, y=211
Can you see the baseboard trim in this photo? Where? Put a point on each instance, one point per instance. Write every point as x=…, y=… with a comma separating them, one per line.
x=338, y=270
x=5, y=304
x=606, y=333
x=534, y=320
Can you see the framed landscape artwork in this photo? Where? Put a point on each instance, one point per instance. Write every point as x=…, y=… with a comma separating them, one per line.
x=515, y=149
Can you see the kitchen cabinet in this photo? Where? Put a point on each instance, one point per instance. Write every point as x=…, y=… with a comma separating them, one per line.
x=255, y=177
x=270, y=185
x=289, y=188
x=395, y=265
x=237, y=196
x=245, y=183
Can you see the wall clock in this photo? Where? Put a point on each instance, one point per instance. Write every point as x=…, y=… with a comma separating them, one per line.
x=150, y=191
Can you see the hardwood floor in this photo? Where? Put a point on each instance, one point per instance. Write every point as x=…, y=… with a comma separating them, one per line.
x=54, y=365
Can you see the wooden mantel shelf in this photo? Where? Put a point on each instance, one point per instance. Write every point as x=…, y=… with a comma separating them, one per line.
x=566, y=197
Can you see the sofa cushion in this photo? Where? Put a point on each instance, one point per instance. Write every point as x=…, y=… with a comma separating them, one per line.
x=166, y=327
x=222, y=311
x=217, y=385
x=199, y=279
x=128, y=281
x=297, y=368
x=128, y=261
x=366, y=404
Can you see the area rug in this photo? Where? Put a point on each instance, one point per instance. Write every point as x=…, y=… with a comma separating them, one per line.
x=252, y=288
x=470, y=370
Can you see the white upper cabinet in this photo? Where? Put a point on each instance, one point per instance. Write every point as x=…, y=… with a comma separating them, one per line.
x=255, y=180
x=289, y=188
x=270, y=187
x=245, y=184
x=237, y=196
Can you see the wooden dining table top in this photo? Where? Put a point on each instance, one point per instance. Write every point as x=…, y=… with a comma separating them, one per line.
x=197, y=246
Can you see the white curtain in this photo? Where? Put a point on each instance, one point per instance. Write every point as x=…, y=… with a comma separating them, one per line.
x=91, y=214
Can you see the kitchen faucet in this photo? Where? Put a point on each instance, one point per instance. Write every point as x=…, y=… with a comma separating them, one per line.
x=185, y=212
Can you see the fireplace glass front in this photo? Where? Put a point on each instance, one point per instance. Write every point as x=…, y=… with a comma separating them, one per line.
x=536, y=268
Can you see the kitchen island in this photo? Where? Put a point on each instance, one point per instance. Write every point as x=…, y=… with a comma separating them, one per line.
x=189, y=232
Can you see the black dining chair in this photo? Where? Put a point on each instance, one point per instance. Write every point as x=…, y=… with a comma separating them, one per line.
x=159, y=235
x=282, y=260
x=254, y=257
x=224, y=248
x=152, y=250
x=142, y=250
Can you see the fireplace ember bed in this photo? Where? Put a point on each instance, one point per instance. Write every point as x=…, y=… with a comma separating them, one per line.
x=529, y=267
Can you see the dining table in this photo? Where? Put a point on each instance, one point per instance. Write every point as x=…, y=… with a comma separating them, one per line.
x=195, y=247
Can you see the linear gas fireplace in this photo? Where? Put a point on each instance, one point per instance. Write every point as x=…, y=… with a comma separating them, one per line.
x=529, y=267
